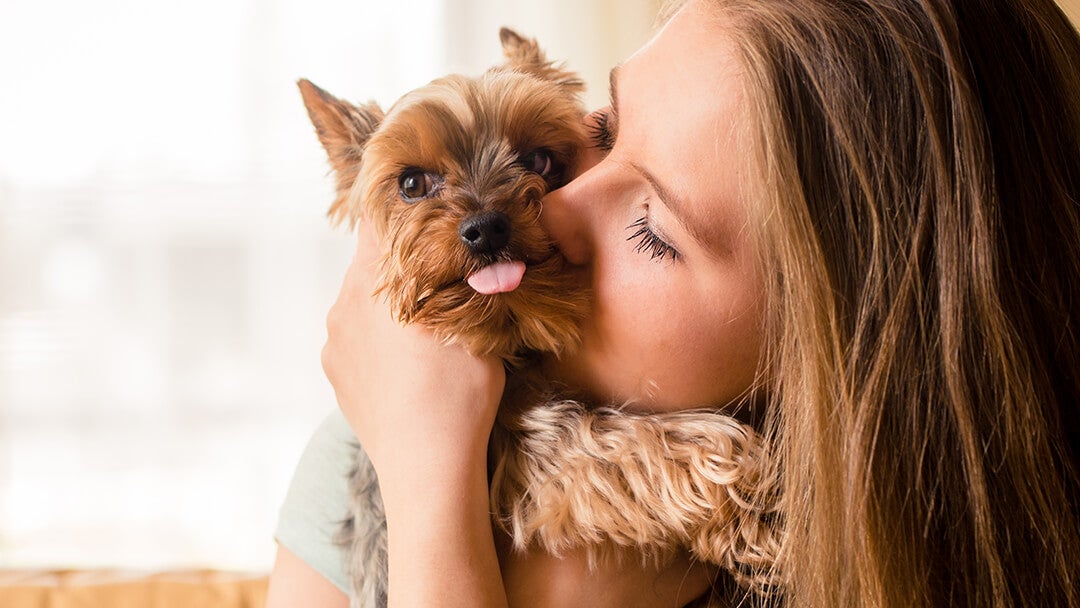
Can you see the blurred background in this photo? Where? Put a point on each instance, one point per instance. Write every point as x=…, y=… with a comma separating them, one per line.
x=165, y=263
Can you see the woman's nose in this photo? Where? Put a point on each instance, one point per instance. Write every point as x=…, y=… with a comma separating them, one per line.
x=564, y=210
x=566, y=217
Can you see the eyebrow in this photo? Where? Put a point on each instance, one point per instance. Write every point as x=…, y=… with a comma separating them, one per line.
x=668, y=198
x=675, y=205
x=613, y=89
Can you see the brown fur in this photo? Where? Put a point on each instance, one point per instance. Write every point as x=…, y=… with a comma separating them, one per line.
x=563, y=476
x=472, y=132
x=567, y=476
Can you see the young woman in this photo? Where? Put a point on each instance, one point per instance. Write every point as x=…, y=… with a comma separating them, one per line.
x=865, y=214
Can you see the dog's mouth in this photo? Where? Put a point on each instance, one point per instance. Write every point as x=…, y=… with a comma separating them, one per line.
x=499, y=277
x=503, y=274
x=495, y=276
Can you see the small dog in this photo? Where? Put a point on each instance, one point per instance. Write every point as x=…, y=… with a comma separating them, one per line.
x=452, y=176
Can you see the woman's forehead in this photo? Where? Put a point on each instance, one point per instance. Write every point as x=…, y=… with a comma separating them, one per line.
x=682, y=104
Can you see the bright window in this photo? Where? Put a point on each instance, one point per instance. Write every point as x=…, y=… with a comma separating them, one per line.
x=165, y=266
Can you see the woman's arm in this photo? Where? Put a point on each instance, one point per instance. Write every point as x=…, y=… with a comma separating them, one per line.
x=423, y=412
x=294, y=583
x=441, y=546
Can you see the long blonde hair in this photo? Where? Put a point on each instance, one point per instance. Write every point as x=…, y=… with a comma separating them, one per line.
x=919, y=193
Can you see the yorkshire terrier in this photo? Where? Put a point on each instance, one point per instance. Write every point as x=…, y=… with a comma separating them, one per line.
x=452, y=177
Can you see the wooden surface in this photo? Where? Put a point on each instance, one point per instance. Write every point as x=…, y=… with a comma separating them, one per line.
x=116, y=589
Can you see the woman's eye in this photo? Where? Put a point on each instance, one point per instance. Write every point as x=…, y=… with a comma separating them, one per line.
x=600, y=131
x=539, y=162
x=649, y=242
x=415, y=184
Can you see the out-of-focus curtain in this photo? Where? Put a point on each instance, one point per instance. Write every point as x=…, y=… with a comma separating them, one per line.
x=165, y=266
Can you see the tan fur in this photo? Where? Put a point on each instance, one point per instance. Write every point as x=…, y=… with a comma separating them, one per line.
x=472, y=132
x=564, y=476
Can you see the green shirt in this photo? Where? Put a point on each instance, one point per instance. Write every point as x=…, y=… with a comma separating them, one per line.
x=318, y=500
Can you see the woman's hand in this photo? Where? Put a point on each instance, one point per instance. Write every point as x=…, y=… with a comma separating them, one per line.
x=423, y=412
x=398, y=387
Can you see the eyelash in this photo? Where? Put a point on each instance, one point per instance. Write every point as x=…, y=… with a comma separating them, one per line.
x=649, y=241
x=603, y=138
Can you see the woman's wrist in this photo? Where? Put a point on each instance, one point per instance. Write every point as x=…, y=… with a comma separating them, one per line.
x=425, y=431
x=441, y=545
x=444, y=464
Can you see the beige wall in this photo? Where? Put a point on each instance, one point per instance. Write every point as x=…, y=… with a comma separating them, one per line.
x=600, y=34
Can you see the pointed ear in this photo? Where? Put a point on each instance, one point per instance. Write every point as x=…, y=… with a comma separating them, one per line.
x=342, y=127
x=344, y=130
x=525, y=55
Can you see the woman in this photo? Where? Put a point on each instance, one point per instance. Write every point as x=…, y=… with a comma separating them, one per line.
x=863, y=215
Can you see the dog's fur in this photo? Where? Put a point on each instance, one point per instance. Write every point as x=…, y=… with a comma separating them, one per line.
x=469, y=135
x=563, y=476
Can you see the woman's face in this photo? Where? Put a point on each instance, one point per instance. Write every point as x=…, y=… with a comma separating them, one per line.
x=659, y=224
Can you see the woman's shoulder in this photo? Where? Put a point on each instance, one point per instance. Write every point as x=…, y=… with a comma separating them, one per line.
x=317, y=501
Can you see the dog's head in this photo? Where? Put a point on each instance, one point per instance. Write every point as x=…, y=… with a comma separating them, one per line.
x=452, y=176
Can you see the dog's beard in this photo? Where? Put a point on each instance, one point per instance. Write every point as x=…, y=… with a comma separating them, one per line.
x=478, y=156
x=425, y=279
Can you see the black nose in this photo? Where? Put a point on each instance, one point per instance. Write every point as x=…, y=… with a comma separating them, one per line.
x=486, y=232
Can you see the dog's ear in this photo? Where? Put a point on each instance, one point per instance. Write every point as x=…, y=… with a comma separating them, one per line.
x=525, y=55
x=343, y=130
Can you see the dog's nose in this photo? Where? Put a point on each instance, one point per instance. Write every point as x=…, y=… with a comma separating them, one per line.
x=486, y=232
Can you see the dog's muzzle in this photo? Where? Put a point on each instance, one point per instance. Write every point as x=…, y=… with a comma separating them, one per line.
x=486, y=233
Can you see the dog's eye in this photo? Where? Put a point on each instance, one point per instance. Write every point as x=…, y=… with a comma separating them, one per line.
x=538, y=161
x=415, y=184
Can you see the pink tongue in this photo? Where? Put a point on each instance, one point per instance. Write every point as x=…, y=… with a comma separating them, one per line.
x=498, y=278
